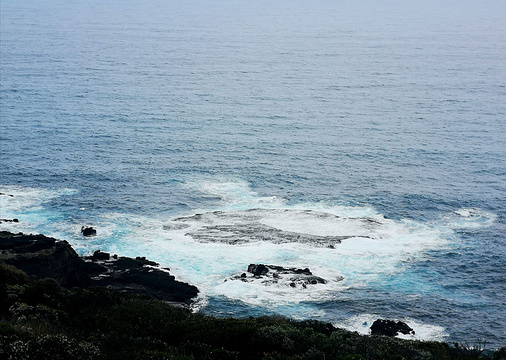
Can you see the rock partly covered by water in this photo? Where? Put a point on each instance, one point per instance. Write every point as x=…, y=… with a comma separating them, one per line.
x=390, y=328
x=46, y=257
x=278, y=275
x=255, y=225
x=9, y=220
x=88, y=231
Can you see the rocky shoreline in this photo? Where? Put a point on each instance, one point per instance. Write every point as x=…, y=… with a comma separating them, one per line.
x=55, y=304
x=45, y=257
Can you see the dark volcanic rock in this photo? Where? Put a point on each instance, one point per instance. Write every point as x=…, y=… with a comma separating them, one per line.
x=258, y=270
x=272, y=275
x=154, y=283
x=45, y=257
x=126, y=263
x=9, y=220
x=88, y=231
x=390, y=328
x=99, y=255
x=141, y=276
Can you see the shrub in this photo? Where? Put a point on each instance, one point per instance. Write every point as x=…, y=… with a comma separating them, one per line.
x=55, y=347
x=11, y=275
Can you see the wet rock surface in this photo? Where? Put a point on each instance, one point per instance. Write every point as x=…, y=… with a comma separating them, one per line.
x=254, y=225
x=139, y=276
x=278, y=275
x=9, y=220
x=46, y=257
x=88, y=231
x=390, y=328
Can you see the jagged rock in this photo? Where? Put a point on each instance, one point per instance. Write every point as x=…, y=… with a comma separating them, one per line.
x=278, y=275
x=88, y=231
x=121, y=263
x=99, y=255
x=45, y=257
x=142, y=260
x=390, y=328
x=9, y=220
x=258, y=270
x=94, y=269
x=1, y=193
x=139, y=276
x=149, y=282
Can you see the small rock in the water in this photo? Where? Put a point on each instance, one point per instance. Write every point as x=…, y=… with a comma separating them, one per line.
x=390, y=328
x=278, y=275
x=88, y=231
x=257, y=270
x=9, y=220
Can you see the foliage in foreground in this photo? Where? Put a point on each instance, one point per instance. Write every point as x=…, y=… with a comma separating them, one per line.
x=41, y=320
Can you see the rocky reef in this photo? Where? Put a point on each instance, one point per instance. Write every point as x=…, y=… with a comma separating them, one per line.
x=45, y=257
x=57, y=305
x=390, y=328
x=254, y=225
x=88, y=231
x=278, y=275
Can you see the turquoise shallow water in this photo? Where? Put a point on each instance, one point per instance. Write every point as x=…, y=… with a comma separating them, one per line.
x=127, y=116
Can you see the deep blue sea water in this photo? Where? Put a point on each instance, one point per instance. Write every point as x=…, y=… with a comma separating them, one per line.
x=381, y=121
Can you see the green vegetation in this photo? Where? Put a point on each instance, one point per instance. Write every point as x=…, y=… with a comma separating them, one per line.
x=41, y=320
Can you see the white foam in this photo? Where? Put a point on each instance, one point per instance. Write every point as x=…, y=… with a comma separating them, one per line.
x=19, y=198
x=362, y=323
x=470, y=218
x=302, y=222
x=207, y=265
x=235, y=194
x=379, y=247
x=28, y=205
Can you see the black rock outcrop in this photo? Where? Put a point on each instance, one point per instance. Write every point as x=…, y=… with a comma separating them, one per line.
x=46, y=257
x=390, y=328
x=88, y=231
x=99, y=255
x=43, y=257
x=140, y=276
x=272, y=274
x=9, y=220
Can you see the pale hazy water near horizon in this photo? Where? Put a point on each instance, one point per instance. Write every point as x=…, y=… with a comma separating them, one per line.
x=276, y=120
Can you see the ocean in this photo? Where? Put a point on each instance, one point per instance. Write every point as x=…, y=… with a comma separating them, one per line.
x=210, y=135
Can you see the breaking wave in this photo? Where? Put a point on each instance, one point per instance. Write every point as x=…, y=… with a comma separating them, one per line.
x=343, y=247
